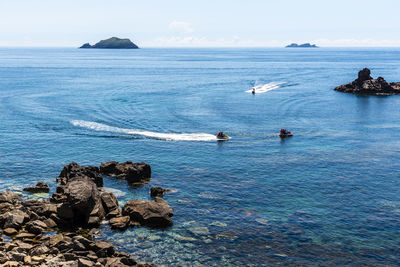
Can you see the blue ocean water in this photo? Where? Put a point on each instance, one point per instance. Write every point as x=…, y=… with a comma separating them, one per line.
x=328, y=196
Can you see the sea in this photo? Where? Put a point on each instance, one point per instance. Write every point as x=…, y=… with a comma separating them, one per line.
x=328, y=196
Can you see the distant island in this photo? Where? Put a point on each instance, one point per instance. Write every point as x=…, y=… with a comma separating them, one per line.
x=307, y=45
x=112, y=43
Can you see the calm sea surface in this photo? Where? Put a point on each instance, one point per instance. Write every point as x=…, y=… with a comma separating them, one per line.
x=330, y=195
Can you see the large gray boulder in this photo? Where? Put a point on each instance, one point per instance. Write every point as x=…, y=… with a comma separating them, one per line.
x=9, y=197
x=154, y=213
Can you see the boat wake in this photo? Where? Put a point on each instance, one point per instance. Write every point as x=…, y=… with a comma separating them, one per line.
x=163, y=136
x=263, y=88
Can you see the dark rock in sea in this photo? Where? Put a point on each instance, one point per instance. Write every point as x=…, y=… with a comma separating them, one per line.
x=75, y=170
x=132, y=172
x=155, y=213
x=306, y=45
x=112, y=43
x=40, y=187
x=366, y=85
x=158, y=191
x=83, y=204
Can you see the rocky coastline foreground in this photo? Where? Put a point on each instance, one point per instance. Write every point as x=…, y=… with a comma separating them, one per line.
x=60, y=231
x=366, y=85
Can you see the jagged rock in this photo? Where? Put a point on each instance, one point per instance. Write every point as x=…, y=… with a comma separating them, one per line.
x=103, y=249
x=132, y=172
x=156, y=213
x=158, y=191
x=366, y=85
x=83, y=205
x=120, y=223
x=9, y=196
x=15, y=219
x=5, y=206
x=74, y=170
x=42, y=208
x=85, y=263
x=40, y=187
x=36, y=227
x=10, y=231
x=110, y=204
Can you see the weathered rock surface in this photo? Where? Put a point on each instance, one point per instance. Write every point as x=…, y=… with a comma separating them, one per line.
x=83, y=204
x=366, y=85
x=155, y=213
x=40, y=187
x=9, y=197
x=132, y=172
x=158, y=191
x=120, y=223
x=110, y=204
x=74, y=170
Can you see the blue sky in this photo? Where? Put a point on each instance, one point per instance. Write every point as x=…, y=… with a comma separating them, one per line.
x=217, y=23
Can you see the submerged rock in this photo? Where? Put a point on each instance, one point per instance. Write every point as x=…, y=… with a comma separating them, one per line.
x=158, y=191
x=132, y=172
x=366, y=85
x=155, y=213
x=40, y=187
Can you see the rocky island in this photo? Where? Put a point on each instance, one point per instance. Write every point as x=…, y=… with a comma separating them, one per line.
x=306, y=45
x=61, y=231
x=366, y=85
x=112, y=43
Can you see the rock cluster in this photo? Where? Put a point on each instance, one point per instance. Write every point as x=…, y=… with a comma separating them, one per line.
x=77, y=204
x=132, y=172
x=366, y=85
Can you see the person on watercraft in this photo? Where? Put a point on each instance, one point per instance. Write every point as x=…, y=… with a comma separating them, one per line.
x=283, y=132
x=220, y=135
x=253, y=91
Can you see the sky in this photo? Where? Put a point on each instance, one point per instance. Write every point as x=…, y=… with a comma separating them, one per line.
x=205, y=23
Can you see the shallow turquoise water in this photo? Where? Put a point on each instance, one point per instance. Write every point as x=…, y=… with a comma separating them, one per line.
x=328, y=196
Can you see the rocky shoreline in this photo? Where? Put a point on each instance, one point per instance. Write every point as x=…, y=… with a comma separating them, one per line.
x=366, y=85
x=60, y=231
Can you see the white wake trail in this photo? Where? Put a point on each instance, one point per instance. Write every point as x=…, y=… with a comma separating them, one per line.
x=165, y=136
x=263, y=88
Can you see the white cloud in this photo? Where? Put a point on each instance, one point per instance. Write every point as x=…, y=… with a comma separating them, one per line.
x=181, y=27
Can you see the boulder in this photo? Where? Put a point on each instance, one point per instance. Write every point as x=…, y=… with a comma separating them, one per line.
x=366, y=85
x=155, y=213
x=110, y=204
x=73, y=170
x=40, y=187
x=10, y=231
x=132, y=172
x=15, y=219
x=36, y=227
x=82, y=203
x=120, y=223
x=158, y=191
x=9, y=196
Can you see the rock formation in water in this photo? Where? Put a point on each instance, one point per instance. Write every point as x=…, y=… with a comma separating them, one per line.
x=61, y=231
x=366, y=85
x=113, y=43
x=306, y=45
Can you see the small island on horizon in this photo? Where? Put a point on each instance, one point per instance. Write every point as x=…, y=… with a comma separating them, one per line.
x=112, y=43
x=306, y=45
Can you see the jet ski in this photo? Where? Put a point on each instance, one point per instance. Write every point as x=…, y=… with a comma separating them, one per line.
x=222, y=137
x=284, y=133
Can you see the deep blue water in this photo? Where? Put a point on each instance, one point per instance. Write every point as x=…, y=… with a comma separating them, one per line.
x=330, y=195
